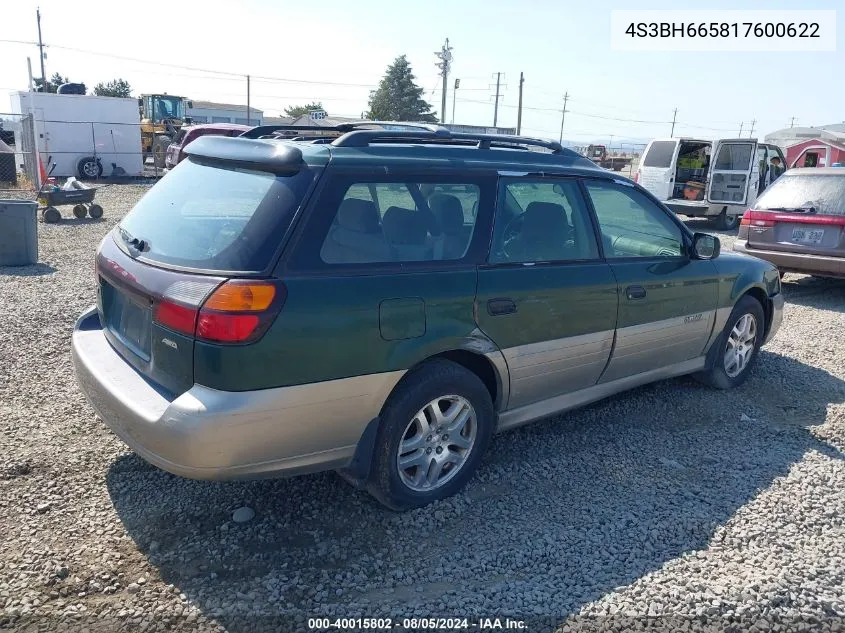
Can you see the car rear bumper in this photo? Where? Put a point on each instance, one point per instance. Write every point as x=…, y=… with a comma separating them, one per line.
x=821, y=265
x=210, y=434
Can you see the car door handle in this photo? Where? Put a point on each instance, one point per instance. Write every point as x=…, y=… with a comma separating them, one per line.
x=635, y=292
x=498, y=307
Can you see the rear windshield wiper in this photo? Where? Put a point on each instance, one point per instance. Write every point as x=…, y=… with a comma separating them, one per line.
x=793, y=209
x=134, y=242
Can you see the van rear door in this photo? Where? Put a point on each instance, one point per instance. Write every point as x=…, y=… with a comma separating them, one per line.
x=656, y=173
x=731, y=167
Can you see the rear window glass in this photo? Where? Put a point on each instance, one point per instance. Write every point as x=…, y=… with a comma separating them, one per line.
x=660, y=154
x=215, y=218
x=825, y=194
x=734, y=156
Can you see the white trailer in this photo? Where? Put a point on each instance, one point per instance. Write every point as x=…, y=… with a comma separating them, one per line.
x=84, y=135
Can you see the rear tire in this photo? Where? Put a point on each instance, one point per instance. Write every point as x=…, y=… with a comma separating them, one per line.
x=89, y=168
x=80, y=211
x=51, y=215
x=727, y=222
x=436, y=464
x=737, y=346
x=95, y=211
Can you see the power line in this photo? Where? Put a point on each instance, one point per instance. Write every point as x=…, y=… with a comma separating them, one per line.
x=194, y=68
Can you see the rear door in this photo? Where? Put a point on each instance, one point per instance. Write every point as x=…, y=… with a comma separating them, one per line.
x=801, y=213
x=656, y=173
x=667, y=301
x=733, y=175
x=544, y=296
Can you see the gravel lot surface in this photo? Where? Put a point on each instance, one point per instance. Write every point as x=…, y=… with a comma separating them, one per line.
x=674, y=507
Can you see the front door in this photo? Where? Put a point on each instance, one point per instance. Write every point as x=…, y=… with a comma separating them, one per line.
x=733, y=174
x=667, y=301
x=545, y=297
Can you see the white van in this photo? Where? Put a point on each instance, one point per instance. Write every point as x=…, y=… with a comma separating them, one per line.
x=698, y=178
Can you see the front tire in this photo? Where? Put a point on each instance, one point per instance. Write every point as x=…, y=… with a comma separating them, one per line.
x=737, y=346
x=433, y=432
x=159, y=148
x=51, y=215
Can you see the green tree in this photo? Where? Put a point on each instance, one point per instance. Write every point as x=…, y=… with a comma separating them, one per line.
x=52, y=85
x=114, y=88
x=297, y=111
x=398, y=97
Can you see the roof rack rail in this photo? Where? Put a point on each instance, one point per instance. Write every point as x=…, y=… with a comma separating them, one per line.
x=362, y=138
x=269, y=130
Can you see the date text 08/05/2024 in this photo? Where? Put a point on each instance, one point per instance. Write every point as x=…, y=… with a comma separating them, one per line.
x=416, y=624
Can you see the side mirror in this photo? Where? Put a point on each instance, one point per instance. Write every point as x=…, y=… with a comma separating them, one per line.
x=189, y=105
x=140, y=102
x=705, y=246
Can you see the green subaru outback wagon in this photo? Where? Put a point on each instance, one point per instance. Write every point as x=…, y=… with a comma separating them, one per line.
x=383, y=302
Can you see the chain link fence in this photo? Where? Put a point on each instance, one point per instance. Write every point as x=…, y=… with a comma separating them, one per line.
x=32, y=149
x=18, y=161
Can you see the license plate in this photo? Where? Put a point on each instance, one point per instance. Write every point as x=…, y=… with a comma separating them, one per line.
x=807, y=236
x=130, y=321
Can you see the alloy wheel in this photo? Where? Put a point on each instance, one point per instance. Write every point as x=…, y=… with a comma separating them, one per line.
x=437, y=443
x=740, y=345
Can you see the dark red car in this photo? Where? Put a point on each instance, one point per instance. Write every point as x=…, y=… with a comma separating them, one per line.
x=175, y=151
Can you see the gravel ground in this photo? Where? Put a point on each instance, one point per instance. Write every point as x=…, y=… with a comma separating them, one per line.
x=673, y=507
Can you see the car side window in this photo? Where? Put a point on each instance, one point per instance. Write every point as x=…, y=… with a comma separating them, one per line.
x=631, y=224
x=401, y=222
x=542, y=220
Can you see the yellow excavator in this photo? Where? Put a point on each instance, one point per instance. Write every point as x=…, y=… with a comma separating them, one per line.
x=162, y=116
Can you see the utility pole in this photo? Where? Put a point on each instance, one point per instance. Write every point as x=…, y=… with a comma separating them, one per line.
x=247, y=101
x=792, y=122
x=445, y=65
x=41, y=50
x=740, y=128
x=674, y=118
x=563, y=115
x=454, y=96
x=751, y=133
x=519, y=108
x=496, y=106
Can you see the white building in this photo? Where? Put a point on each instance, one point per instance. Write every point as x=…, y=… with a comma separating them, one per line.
x=210, y=112
x=792, y=135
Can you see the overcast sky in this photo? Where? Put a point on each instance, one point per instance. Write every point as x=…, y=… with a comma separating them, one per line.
x=338, y=50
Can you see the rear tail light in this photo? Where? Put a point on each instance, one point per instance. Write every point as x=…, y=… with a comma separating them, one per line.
x=637, y=176
x=237, y=311
x=176, y=316
x=757, y=218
